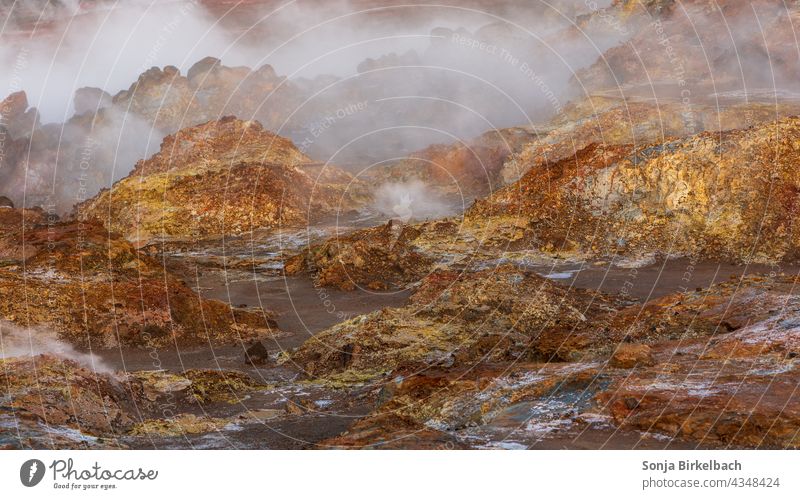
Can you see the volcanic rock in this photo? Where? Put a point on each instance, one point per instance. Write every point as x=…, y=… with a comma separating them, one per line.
x=722, y=308
x=223, y=177
x=628, y=355
x=256, y=354
x=90, y=100
x=298, y=407
x=376, y=258
x=451, y=409
x=209, y=385
x=71, y=405
x=680, y=197
x=124, y=297
x=664, y=54
x=687, y=196
x=746, y=399
x=15, y=116
x=170, y=101
x=608, y=120
x=14, y=105
x=462, y=169
x=454, y=319
x=202, y=66
x=731, y=386
x=389, y=431
x=60, y=392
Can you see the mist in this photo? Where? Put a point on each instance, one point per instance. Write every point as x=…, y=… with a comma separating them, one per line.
x=407, y=201
x=30, y=342
x=426, y=74
x=417, y=75
x=109, y=44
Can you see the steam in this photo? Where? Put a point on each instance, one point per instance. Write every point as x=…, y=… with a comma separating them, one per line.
x=106, y=47
x=111, y=43
x=417, y=74
x=406, y=201
x=29, y=342
x=60, y=166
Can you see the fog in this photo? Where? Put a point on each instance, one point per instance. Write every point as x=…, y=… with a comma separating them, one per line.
x=451, y=71
x=419, y=74
x=108, y=44
x=410, y=201
x=29, y=342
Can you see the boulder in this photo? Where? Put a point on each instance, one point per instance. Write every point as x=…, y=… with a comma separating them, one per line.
x=256, y=354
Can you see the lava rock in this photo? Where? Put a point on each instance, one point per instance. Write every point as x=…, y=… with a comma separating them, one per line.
x=256, y=355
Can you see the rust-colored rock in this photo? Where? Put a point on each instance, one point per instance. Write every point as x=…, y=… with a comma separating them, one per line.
x=740, y=401
x=462, y=169
x=62, y=393
x=454, y=319
x=223, y=177
x=628, y=355
x=687, y=196
x=94, y=288
x=378, y=258
x=16, y=118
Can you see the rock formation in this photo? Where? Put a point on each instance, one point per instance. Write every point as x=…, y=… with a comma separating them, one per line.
x=105, y=409
x=726, y=381
x=94, y=289
x=661, y=141
x=454, y=319
x=223, y=177
x=727, y=195
x=16, y=118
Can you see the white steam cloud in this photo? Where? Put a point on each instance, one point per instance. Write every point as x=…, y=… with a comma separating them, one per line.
x=424, y=73
x=407, y=201
x=29, y=342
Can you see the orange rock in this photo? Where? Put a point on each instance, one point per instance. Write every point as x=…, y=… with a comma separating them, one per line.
x=627, y=356
x=224, y=177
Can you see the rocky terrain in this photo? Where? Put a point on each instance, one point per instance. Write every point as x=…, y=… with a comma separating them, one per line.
x=667, y=56
x=727, y=195
x=454, y=320
x=694, y=369
x=95, y=290
x=602, y=258
x=223, y=177
x=488, y=350
x=109, y=410
x=113, y=128
x=466, y=171
x=681, y=197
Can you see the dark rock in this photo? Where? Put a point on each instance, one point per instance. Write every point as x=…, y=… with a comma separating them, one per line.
x=346, y=355
x=256, y=354
x=17, y=119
